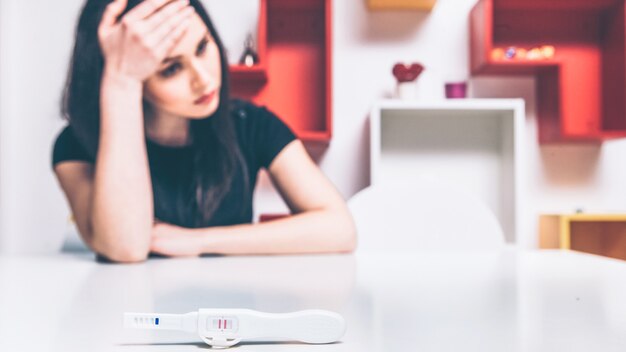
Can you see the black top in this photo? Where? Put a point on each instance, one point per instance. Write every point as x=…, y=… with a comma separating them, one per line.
x=261, y=136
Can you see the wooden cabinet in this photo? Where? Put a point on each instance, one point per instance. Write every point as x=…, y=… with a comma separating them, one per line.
x=401, y=4
x=293, y=76
x=581, y=89
x=601, y=234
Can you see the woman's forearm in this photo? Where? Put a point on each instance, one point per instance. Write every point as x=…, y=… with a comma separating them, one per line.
x=122, y=209
x=318, y=231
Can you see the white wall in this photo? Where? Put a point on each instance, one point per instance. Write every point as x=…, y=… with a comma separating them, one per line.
x=5, y=23
x=35, y=42
x=35, y=52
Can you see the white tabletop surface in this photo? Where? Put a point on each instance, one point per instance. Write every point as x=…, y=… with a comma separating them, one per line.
x=497, y=301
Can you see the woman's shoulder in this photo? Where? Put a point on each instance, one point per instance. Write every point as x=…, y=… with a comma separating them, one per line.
x=241, y=109
x=260, y=131
x=68, y=148
x=253, y=116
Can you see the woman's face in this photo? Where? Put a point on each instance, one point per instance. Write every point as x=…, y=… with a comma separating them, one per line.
x=188, y=82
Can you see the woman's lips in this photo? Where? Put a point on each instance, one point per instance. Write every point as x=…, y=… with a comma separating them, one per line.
x=205, y=99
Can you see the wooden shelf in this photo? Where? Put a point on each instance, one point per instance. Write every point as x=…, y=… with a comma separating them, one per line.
x=557, y=4
x=475, y=145
x=256, y=73
x=581, y=91
x=293, y=77
x=426, y=5
x=601, y=234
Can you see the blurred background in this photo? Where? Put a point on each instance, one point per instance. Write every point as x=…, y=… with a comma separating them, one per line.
x=36, y=39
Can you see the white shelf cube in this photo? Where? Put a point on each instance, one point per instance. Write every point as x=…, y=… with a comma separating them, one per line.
x=472, y=144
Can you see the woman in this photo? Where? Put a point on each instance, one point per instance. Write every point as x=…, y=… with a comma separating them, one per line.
x=158, y=159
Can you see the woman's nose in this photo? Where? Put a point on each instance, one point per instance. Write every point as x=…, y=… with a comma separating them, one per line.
x=201, y=76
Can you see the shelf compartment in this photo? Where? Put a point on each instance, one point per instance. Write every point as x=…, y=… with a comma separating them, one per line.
x=600, y=234
x=297, y=67
x=425, y=5
x=581, y=91
x=475, y=145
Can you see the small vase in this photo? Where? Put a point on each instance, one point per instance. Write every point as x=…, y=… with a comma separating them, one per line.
x=249, y=57
x=406, y=90
x=456, y=90
x=406, y=75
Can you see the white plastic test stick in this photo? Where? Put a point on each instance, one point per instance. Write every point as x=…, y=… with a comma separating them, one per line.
x=227, y=327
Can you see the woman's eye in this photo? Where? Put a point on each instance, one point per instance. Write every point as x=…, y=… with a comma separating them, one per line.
x=170, y=70
x=202, y=47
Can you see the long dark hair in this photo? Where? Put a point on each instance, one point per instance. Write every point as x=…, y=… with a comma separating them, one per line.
x=216, y=153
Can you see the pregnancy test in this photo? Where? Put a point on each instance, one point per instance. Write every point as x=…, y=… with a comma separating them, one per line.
x=227, y=327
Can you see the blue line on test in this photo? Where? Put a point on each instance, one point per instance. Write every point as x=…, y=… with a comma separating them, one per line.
x=157, y=321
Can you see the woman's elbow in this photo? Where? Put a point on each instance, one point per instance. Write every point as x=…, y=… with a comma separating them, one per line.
x=348, y=237
x=120, y=253
x=126, y=256
x=350, y=243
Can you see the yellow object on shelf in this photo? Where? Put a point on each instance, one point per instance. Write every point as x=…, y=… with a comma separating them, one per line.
x=401, y=4
x=602, y=234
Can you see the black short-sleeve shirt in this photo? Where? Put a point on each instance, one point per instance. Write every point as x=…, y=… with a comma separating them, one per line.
x=261, y=136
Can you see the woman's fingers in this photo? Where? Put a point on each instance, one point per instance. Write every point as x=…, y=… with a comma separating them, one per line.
x=158, y=34
x=146, y=35
x=166, y=12
x=111, y=13
x=167, y=43
x=145, y=9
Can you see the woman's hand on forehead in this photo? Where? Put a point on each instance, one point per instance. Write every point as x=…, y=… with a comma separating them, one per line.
x=136, y=45
x=146, y=8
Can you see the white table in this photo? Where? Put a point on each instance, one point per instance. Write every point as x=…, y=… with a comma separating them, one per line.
x=504, y=301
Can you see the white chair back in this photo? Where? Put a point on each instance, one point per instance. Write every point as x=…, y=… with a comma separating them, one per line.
x=424, y=217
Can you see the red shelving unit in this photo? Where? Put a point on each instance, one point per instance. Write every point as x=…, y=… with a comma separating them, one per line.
x=241, y=73
x=581, y=91
x=293, y=76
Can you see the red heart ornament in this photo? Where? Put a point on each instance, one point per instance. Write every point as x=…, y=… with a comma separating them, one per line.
x=407, y=74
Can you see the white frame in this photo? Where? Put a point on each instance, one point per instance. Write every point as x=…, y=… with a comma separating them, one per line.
x=509, y=107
